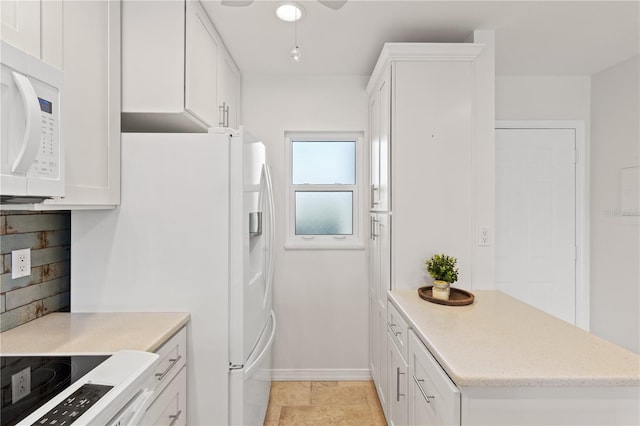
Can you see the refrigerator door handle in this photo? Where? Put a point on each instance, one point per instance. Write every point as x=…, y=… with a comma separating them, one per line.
x=248, y=369
x=270, y=233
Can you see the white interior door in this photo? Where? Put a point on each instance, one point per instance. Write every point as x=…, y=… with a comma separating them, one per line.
x=536, y=218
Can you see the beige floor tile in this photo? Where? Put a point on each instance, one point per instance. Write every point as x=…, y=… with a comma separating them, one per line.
x=356, y=415
x=377, y=416
x=372, y=395
x=272, y=418
x=333, y=393
x=290, y=393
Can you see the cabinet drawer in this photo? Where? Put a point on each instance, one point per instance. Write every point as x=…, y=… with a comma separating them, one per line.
x=170, y=407
x=173, y=356
x=435, y=398
x=398, y=329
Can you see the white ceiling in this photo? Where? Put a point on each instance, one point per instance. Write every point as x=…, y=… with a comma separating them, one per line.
x=532, y=37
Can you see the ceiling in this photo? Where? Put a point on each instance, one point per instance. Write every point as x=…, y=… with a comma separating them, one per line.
x=532, y=37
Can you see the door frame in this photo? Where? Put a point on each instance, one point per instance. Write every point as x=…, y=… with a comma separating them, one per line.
x=582, y=316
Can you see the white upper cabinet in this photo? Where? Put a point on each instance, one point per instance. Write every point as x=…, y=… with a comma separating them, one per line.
x=228, y=92
x=175, y=69
x=34, y=27
x=90, y=105
x=83, y=40
x=380, y=136
x=201, y=59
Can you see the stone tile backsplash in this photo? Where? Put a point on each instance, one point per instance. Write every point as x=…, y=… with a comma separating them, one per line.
x=47, y=289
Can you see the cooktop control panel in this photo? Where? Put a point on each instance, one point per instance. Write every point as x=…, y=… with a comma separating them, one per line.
x=74, y=406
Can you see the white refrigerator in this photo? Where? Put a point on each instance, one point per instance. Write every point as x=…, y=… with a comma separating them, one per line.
x=193, y=233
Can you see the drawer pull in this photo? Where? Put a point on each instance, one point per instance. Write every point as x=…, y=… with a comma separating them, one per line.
x=174, y=418
x=395, y=332
x=173, y=361
x=427, y=398
x=398, y=394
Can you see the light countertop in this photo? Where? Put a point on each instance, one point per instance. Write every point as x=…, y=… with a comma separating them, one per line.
x=500, y=341
x=92, y=333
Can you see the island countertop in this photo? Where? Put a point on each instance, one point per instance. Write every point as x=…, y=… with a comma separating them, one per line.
x=92, y=333
x=500, y=341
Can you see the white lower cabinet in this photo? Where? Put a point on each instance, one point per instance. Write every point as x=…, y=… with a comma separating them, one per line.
x=433, y=398
x=170, y=404
x=379, y=355
x=398, y=381
x=170, y=407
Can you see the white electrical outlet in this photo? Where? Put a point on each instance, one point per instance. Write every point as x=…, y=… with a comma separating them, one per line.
x=20, y=384
x=483, y=236
x=20, y=263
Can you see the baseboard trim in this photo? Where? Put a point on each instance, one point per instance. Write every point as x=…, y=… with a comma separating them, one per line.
x=290, y=375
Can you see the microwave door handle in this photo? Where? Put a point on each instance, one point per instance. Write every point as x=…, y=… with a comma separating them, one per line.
x=33, y=130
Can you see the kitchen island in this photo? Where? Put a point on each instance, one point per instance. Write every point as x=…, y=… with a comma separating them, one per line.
x=505, y=362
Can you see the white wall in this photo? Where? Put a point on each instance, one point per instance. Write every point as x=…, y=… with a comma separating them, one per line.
x=320, y=296
x=615, y=240
x=543, y=98
x=608, y=104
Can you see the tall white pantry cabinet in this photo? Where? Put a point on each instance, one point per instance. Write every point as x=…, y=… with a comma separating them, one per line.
x=423, y=112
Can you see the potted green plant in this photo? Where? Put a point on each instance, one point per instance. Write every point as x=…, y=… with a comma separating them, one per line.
x=444, y=272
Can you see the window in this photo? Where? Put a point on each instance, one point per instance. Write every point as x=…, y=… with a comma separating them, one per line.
x=324, y=176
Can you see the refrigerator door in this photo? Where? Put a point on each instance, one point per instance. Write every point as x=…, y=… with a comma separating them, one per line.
x=249, y=387
x=251, y=250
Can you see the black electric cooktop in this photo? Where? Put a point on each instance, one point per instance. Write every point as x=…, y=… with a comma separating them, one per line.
x=47, y=375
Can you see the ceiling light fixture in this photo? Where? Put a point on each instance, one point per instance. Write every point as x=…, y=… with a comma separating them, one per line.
x=296, y=53
x=289, y=11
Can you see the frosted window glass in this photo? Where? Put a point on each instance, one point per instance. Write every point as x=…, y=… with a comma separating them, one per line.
x=324, y=213
x=324, y=163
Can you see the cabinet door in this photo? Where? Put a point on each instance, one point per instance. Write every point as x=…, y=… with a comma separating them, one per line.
x=374, y=256
x=380, y=257
x=397, y=385
x=383, y=367
x=379, y=145
x=433, y=397
x=384, y=172
x=374, y=150
x=229, y=89
x=384, y=257
x=170, y=407
x=201, y=57
x=35, y=27
x=374, y=340
x=91, y=104
x=153, y=48
x=21, y=24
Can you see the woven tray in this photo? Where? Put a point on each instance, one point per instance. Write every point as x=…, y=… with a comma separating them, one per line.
x=457, y=297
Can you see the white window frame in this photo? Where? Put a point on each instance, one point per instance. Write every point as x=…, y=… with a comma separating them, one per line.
x=324, y=242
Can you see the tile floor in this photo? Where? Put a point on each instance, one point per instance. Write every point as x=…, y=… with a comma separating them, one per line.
x=324, y=403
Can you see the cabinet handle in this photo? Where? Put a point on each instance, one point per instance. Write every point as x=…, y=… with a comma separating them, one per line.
x=427, y=398
x=174, y=418
x=173, y=362
x=223, y=115
x=398, y=374
x=373, y=222
x=392, y=327
x=373, y=195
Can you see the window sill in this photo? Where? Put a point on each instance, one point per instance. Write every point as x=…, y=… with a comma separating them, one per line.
x=295, y=245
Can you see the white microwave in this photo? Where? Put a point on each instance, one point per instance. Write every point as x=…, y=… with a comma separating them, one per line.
x=31, y=152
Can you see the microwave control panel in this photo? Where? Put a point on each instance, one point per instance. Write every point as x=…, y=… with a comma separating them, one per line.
x=48, y=159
